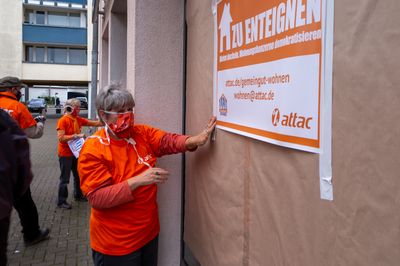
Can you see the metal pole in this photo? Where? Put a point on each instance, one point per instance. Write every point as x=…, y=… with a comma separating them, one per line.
x=95, y=53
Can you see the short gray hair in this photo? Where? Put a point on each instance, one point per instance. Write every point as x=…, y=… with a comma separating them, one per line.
x=114, y=96
x=73, y=102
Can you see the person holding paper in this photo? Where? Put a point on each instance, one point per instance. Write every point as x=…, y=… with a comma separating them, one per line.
x=69, y=133
x=119, y=177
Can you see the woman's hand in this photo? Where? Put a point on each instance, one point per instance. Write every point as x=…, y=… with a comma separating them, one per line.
x=201, y=138
x=65, y=138
x=151, y=176
x=78, y=136
x=99, y=123
x=95, y=123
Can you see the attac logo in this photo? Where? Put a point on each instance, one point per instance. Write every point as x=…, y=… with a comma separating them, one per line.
x=291, y=120
x=275, y=117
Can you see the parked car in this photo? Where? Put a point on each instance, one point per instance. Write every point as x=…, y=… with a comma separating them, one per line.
x=37, y=105
x=84, y=102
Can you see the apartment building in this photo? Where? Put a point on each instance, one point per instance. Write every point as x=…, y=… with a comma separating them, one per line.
x=47, y=44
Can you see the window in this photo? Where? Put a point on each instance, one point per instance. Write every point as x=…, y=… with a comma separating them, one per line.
x=29, y=53
x=39, y=54
x=56, y=55
x=29, y=16
x=83, y=20
x=77, y=56
x=57, y=19
x=75, y=20
x=40, y=17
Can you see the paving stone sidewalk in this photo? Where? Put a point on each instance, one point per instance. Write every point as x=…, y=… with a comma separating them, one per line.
x=69, y=236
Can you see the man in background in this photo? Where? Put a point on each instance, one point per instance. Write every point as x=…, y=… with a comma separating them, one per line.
x=10, y=94
x=15, y=174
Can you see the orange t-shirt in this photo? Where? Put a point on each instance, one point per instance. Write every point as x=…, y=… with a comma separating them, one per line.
x=122, y=229
x=71, y=125
x=16, y=109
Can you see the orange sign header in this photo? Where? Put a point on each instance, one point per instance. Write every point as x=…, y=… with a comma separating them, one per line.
x=263, y=30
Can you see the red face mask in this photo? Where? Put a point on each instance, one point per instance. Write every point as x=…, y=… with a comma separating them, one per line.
x=121, y=127
x=75, y=111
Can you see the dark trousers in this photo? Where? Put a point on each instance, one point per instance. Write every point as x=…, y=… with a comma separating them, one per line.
x=145, y=256
x=4, y=227
x=68, y=164
x=28, y=215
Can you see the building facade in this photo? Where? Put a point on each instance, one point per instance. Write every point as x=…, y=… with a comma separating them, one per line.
x=47, y=44
x=247, y=202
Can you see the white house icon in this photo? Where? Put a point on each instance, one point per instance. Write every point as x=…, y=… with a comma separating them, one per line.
x=225, y=28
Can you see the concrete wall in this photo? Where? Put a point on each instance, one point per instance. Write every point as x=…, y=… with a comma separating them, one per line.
x=11, y=38
x=103, y=58
x=117, y=48
x=142, y=46
x=159, y=57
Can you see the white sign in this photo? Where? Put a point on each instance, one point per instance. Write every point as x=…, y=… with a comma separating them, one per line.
x=75, y=146
x=268, y=70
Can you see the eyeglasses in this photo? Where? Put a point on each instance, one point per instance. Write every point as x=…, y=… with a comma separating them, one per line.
x=117, y=113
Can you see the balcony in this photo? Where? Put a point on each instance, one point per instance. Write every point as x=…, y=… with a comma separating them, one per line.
x=55, y=2
x=55, y=72
x=83, y=2
x=54, y=35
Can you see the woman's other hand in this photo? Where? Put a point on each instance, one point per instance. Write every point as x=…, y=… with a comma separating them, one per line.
x=201, y=138
x=100, y=123
x=151, y=176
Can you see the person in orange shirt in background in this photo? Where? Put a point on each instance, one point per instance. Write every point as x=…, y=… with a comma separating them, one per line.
x=10, y=94
x=69, y=128
x=119, y=177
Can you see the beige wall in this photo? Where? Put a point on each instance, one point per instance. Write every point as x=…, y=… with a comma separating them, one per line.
x=10, y=38
x=253, y=203
x=54, y=72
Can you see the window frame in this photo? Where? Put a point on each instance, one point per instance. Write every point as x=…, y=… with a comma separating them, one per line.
x=82, y=17
x=54, y=13
x=46, y=50
x=57, y=47
x=35, y=17
x=75, y=48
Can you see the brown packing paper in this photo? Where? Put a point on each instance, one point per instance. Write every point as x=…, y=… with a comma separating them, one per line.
x=253, y=203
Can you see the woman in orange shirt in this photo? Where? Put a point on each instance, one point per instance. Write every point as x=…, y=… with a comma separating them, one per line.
x=119, y=178
x=69, y=128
